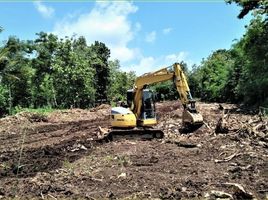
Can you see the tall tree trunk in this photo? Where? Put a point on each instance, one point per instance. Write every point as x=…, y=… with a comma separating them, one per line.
x=9, y=99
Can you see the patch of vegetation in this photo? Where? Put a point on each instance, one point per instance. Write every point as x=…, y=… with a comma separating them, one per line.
x=43, y=111
x=34, y=115
x=123, y=160
x=67, y=165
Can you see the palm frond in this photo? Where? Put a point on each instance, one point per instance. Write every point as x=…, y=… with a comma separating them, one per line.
x=12, y=77
x=3, y=53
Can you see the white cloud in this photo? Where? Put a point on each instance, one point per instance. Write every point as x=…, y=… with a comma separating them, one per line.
x=150, y=37
x=138, y=26
x=151, y=64
x=172, y=58
x=106, y=22
x=109, y=22
x=44, y=10
x=145, y=65
x=166, y=30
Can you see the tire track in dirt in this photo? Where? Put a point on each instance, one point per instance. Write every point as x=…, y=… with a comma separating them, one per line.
x=48, y=131
x=46, y=148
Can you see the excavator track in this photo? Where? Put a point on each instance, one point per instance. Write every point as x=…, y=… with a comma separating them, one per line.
x=136, y=134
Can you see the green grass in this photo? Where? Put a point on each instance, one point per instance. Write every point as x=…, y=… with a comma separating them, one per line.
x=43, y=111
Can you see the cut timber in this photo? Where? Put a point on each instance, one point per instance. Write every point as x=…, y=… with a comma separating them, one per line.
x=221, y=126
x=182, y=144
x=214, y=194
x=239, y=191
x=227, y=158
x=103, y=132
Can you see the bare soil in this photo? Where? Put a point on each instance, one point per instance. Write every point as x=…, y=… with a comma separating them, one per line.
x=61, y=156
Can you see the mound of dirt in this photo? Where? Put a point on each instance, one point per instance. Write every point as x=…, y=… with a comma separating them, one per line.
x=101, y=107
x=97, y=113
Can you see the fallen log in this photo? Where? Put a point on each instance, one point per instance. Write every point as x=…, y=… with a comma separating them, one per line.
x=227, y=158
x=182, y=144
x=221, y=126
x=239, y=191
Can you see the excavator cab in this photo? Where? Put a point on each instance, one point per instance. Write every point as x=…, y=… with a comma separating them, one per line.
x=148, y=105
x=147, y=115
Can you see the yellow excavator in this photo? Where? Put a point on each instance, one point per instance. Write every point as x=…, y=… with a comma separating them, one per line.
x=140, y=115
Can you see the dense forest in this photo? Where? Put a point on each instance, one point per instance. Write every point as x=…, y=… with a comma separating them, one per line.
x=235, y=75
x=57, y=73
x=239, y=74
x=65, y=73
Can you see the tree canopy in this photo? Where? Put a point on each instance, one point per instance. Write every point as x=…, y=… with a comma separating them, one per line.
x=260, y=6
x=58, y=73
x=239, y=74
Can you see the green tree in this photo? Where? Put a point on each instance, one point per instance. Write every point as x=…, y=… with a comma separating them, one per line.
x=212, y=75
x=254, y=77
x=260, y=6
x=14, y=72
x=19, y=67
x=45, y=47
x=100, y=54
x=167, y=90
x=119, y=82
x=4, y=101
x=73, y=75
x=195, y=75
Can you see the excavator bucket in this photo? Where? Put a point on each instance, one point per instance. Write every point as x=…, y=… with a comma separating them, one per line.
x=191, y=120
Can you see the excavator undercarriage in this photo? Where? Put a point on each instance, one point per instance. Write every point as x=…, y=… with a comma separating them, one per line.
x=135, y=133
x=140, y=133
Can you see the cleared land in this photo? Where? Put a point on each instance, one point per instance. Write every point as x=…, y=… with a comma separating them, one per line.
x=61, y=156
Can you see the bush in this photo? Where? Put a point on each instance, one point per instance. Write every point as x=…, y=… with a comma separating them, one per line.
x=3, y=100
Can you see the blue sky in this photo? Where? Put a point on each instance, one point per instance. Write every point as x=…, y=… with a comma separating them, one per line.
x=142, y=35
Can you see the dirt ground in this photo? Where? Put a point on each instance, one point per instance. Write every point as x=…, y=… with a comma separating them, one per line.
x=60, y=156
